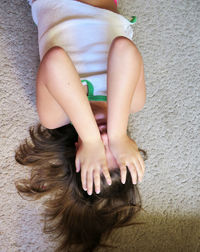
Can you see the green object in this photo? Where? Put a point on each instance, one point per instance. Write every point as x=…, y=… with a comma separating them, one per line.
x=134, y=19
x=91, y=96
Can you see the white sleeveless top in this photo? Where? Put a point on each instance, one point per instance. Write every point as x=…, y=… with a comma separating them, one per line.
x=85, y=32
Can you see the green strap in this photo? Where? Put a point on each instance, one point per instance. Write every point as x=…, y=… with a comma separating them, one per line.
x=91, y=96
x=134, y=19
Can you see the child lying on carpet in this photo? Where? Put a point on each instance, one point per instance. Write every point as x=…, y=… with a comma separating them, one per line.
x=81, y=141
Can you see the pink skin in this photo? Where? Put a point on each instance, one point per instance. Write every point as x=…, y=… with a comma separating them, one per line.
x=99, y=109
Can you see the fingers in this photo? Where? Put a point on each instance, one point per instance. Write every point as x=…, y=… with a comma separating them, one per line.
x=133, y=173
x=106, y=174
x=83, y=178
x=87, y=180
x=139, y=169
x=78, y=165
x=90, y=182
x=136, y=171
x=123, y=173
x=142, y=164
x=136, y=168
x=97, y=180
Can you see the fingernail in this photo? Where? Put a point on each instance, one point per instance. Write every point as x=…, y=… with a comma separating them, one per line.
x=98, y=191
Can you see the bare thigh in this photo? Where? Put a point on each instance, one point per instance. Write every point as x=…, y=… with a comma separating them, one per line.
x=103, y=4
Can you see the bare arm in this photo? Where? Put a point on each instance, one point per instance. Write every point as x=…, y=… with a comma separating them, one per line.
x=124, y=66
x=58, y=74
x=63, y=82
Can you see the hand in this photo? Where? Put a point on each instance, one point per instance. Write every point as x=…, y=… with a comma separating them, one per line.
x=126, y=153
x=92, y=157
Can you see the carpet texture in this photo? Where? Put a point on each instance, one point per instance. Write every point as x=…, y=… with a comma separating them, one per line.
x=168, y=36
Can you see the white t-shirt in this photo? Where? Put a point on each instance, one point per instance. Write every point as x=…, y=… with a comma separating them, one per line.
x=85, y=32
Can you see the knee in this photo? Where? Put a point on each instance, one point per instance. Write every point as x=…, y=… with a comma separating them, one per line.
x=52, y=54
x=123, y=44
x=54, y=50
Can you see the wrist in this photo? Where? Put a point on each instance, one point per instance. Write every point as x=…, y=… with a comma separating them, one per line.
x=115, y=137
x=92, y=140
x=114, y=132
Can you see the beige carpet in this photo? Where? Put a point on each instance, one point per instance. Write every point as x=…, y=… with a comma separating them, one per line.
x=167, y=34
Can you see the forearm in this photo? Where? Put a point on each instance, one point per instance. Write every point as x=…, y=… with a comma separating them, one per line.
x=63, y=82
x=124, y=65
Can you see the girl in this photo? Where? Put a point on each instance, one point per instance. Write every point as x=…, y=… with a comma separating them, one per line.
x=84, y=125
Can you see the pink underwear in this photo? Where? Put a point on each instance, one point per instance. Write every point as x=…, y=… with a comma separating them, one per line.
x=115, y=1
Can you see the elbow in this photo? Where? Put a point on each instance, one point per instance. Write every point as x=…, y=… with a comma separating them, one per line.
x=49, y=124
x=138, y=104
x=142, y=103
x=137, y=108
x=46, y=123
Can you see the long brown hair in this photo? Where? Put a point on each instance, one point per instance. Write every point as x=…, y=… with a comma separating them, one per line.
x=75, y=218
